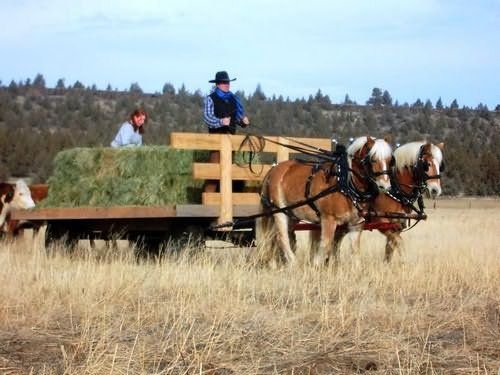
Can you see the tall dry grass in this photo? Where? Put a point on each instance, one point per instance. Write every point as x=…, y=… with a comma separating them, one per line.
x=434, y=311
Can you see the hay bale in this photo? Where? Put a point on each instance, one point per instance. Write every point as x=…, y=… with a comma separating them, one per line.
x=146, y=176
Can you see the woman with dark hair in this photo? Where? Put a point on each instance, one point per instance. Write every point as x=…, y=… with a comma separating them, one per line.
x=130, y=133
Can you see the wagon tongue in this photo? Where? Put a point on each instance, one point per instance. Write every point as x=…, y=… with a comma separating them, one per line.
x=394, y=215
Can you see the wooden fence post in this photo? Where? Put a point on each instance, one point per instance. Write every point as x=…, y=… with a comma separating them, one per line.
x=283, y=152
x=226, y=180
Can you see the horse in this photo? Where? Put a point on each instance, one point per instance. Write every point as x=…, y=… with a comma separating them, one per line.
x=331, y=200
x=418, y=167
x=13, y=196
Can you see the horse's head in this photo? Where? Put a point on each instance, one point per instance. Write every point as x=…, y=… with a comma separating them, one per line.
x=425, y=162
x=429, y=166
x=370, y=160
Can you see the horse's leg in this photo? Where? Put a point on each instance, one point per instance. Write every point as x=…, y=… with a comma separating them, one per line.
x=337, y=241
x=355, y=238
x=394, y=242
x=281, y=221
x=314, y=240
x=328, y=226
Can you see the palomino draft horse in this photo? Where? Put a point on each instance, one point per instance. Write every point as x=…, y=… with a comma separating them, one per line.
x=339, y=198
x=418, y=167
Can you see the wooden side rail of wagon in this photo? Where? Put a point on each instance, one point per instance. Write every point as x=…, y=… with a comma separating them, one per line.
x=226, y=171
x=127, y=222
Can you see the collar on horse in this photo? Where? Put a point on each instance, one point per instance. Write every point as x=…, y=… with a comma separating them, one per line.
x=337, y=166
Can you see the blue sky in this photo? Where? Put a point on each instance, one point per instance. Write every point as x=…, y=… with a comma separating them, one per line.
x=414, y=49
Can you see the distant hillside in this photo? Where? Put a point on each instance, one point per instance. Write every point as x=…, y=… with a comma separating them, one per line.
x=36, y=122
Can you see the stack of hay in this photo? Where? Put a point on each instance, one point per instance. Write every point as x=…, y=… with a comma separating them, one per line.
x=146, y=176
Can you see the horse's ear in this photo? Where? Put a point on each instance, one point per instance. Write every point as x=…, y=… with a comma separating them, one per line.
x=440, y=146
x=388, y=138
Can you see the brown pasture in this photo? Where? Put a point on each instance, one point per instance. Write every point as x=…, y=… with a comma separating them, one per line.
x=435, y=310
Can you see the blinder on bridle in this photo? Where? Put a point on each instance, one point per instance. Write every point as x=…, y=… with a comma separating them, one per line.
x=422, y=166
x=366, y=163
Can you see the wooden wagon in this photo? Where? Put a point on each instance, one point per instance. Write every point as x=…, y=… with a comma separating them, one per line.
x=156, y=224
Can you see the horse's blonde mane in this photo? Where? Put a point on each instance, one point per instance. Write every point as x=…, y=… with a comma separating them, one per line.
x=380, y=150
x=407, y=154
x=356, y=145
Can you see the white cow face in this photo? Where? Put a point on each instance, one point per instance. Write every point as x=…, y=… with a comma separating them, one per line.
x=22, y=196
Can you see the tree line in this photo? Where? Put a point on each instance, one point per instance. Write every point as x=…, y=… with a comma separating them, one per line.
x=36, y=122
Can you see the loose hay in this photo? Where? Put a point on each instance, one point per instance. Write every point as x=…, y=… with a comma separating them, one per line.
x=146, y=176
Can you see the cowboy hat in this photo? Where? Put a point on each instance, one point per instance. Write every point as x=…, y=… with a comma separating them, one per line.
x=221, y=77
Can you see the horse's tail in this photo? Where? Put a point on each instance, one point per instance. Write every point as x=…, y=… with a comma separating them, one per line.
x=263, y=223
x=264, y=228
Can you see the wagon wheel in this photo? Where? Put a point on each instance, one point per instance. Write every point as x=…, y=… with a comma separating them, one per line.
x=150, y=244
x=57, y=235
x=191, y=237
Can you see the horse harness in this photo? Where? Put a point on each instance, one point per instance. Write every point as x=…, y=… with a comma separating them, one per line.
x=338, y=168
x=418, y=170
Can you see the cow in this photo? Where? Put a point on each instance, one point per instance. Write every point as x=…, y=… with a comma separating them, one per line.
x=13, y=196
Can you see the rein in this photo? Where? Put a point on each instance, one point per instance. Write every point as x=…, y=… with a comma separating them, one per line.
x=256, y=145
x=250, y=218
x=344, y=184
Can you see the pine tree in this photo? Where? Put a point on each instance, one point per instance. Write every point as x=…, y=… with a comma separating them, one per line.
x=376, y=98
x=386, y=99
x=347, y=100
x=439, y=104
x=135, y=88
x=13, y=88
x=78, y=85
x=60, y=84
x=418, y=104
x=259, y=94
x=168, y=89
x=39, y=81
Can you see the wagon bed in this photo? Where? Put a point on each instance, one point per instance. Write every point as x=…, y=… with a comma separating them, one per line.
x=152, y=224
x=172, y=220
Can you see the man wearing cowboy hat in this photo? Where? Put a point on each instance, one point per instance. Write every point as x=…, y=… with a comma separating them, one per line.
x=222, y=112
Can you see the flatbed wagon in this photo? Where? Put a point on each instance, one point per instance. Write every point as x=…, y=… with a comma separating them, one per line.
x=155, y=224
x=150, y=225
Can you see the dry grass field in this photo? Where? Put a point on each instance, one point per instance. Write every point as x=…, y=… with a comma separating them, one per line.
x=435, y=310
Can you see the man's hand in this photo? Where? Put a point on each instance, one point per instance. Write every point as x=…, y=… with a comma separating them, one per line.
x=245, y=121
x=226, y=121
